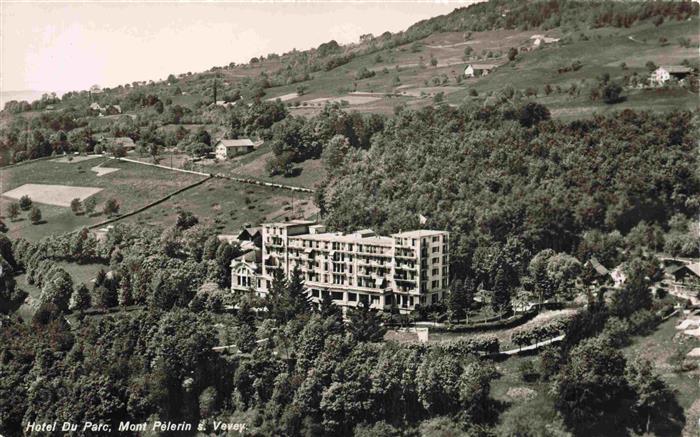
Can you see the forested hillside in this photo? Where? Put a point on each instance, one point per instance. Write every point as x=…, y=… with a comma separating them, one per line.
x=561, y=167
x=490, y=175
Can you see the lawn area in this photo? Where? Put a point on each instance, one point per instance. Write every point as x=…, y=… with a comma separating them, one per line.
x=657, y=348
x=658, y=100
x=252, y=165
x=81, y=273
x=133, y=186
x=229, y=205
x=533, y=398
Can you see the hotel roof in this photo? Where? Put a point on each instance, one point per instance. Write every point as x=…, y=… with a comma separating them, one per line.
x=346, y=238
x=418, y=233
x=295, y=222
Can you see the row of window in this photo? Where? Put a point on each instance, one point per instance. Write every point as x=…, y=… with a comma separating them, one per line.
x=246, y=281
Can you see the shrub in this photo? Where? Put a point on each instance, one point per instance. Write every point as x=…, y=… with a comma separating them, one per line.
x=76, y=205
x=111, y=207
x=13, y=211
x=643, y=322
x=612, y=93
x=528, y=372
x=90, y=205
x=35, y=215
x=25, y=202
x=532, y=113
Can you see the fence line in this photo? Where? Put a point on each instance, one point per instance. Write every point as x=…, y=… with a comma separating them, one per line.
x=223, y=176
x=150, y=205
x=263, y=183
x=182, y=170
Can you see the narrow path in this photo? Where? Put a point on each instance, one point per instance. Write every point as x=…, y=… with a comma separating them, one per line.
x=233, y=346
x=532, y=347
x=222, y=176
x=447, y=46
x=182, y=170
x=263, y=183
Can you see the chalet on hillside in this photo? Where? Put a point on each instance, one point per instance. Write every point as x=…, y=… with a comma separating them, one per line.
x=686, y=273
x=226, y=149
x=666, y=72
x=473, y=70
x=106, y=110
x=684, y=279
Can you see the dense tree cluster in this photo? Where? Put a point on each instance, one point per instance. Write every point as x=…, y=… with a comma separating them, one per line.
x=296, y=139
x=514, y=14
x=299, y=369
x=556, y=185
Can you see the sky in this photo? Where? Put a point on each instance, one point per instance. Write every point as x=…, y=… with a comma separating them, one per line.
x=71, y=46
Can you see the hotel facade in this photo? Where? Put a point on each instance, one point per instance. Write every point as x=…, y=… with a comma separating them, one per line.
x=405, y=269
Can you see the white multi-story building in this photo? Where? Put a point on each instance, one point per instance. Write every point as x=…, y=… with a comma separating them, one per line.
x=405, y=269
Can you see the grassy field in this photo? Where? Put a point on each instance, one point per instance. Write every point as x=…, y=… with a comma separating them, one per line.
x=81, y=274
x=133, y=186
x=229, y=205
x=658, y=348
x=226, y=204
x=252, y=165
x=528, y=398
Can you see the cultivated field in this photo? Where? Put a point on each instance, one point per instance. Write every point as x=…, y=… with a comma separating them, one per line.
x=58, y=195
x=407, y=71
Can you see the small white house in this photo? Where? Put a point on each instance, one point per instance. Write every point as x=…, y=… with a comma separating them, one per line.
x=226, y=149
x=474, y=70
x=618, y=276
x=662, y=74
x=224, y=103
x=541, y=39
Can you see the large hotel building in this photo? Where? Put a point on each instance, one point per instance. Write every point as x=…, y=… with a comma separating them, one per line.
x=405, y=269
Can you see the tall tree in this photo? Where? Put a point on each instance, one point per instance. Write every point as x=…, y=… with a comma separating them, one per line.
x=297, y=295
x=501, y=298
x=80, y=299
x=276, y=298
x=457, y=299
x=365, y=324
x=656, y=409
x=592, y=393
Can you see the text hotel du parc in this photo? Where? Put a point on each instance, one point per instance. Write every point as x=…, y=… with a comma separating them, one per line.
x=127, y=426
